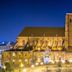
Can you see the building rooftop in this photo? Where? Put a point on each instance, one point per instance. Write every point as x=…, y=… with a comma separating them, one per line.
x=68, y=13
x=43, y=31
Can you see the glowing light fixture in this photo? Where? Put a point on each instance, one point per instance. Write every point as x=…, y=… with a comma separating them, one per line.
x=26, y=60
x=13, y=54
x=38, y=49
x=21, y=65
x=4, y=67
x=19, y=60
x=70, y=60
x=63, y=61
x=41, y=63
x=36, y=64
x=32, y=66
x=24, y=70
x=13, y=60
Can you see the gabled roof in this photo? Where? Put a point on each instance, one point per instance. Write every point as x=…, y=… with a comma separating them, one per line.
x=43, y=31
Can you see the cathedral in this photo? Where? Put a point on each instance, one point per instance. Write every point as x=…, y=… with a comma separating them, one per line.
x=41, y=45
x=44, y=38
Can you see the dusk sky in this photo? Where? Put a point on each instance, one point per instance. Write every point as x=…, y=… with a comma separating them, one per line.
x=17, y=14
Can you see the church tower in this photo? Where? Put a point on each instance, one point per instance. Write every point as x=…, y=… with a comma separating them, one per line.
x=68, y=30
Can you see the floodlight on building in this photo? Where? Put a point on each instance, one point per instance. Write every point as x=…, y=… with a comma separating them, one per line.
x=24, y=70
x=19, y=60
x=26, y=60
x=13, y=60
x=13, y=54
x=36, y=63
x=21, y=65
x=41, y=63
x=4, y=67
x=63, y=61
x=32, y=66
x=70, y=60
x=38, y=49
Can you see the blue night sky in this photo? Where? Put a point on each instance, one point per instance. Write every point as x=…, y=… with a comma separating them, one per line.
x=17, y=14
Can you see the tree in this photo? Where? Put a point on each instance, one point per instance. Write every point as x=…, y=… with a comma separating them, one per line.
x=9, y=67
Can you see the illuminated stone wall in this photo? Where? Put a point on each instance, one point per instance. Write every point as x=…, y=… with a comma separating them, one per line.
x=24, y=57
x=42, y=43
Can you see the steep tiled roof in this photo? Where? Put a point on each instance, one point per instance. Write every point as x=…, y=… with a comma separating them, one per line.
x=41, y=31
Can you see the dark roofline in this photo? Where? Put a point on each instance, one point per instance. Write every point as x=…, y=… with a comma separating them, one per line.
x=40, y=31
